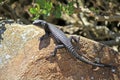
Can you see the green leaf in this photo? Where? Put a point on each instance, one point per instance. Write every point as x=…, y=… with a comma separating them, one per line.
x=58, y=11
x=45, y=8
x=36, y=17
x=33, y=11
x=41, y=3
x=44, y=11
x=70, y=8
x=48, y=6
x=58, y=14
x=1, y=1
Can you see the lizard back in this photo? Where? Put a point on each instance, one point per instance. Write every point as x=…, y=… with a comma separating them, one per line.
x=59, y=35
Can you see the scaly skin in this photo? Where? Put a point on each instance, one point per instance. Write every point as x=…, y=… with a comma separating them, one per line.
x=63, y=42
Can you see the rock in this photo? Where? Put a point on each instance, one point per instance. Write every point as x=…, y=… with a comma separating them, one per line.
x=21, y=59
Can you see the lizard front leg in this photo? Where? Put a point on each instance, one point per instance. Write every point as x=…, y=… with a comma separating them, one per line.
x=44, y=37
x=55, y=50
x=44, y=41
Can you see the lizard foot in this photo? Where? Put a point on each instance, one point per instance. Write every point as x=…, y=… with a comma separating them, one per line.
x=52, y=54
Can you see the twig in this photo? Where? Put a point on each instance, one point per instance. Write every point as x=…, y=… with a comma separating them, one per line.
x=9, y=11
x=107, y=18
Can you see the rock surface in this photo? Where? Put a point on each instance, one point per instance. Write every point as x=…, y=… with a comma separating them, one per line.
x=21, y=59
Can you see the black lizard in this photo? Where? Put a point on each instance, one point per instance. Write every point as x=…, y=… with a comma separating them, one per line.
x=63, y=42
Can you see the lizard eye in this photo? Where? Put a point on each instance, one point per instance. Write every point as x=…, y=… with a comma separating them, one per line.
x=43, y=23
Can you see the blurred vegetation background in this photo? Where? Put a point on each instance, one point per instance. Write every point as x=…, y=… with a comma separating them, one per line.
x=95, y=19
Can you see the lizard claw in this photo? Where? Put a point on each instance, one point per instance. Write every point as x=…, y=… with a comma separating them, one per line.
x=41, y=38
x=52, y=54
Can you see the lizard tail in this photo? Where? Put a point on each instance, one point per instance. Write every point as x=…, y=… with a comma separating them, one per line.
x=83, y=59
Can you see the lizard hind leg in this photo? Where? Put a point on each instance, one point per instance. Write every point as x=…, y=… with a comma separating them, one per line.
x=55, y=50
x=75, y=39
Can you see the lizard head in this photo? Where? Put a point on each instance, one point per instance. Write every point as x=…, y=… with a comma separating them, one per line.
x=41, y=23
